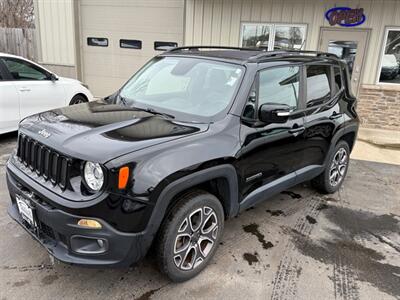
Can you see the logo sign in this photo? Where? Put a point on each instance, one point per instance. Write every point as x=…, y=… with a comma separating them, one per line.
x=345, y=16
x=44, y=133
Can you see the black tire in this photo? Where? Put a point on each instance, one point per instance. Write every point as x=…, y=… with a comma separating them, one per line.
x=187, y=262
x=323, y=182
x=77, y=99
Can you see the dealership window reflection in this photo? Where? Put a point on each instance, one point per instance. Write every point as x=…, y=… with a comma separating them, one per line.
x=345, y=50
x=390, y=61
x=256, y=35
x=273, y=36
x=289, y=37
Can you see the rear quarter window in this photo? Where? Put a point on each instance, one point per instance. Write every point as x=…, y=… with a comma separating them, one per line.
x=338, y=78
x=318, y=84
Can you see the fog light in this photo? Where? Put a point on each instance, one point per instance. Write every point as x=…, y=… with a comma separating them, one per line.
x=88, y=245
x=89, y=223
x=100, y=243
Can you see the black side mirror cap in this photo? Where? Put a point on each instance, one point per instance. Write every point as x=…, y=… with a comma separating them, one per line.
x=273, y=113
x=53, y=77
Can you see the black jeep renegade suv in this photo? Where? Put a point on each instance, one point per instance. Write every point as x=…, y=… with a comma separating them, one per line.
x=196, y=136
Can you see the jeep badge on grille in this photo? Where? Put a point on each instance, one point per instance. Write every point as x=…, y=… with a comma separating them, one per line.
x=44, y=133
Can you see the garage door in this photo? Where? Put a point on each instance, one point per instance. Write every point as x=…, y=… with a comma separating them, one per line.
x=118, y=37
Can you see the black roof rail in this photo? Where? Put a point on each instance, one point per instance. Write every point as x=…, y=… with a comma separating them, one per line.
x=292, y=53
x=196, y=48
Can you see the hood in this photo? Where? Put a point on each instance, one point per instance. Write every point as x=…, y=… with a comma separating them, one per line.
x=66, y=79
x=99, y=131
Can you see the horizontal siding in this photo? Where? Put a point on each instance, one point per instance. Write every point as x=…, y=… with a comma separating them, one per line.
x=56, y=37
x=60, y=70
x=206, y=24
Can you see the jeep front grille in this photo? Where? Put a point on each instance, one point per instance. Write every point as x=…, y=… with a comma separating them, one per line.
x=43, y=160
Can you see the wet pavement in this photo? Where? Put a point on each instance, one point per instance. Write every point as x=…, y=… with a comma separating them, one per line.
x=297, y=245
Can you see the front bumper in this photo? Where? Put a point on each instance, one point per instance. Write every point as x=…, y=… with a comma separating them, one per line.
x=59, y=233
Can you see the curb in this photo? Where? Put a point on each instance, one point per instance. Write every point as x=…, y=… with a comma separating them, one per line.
x=394, y=146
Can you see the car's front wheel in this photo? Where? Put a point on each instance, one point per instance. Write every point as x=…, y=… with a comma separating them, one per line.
x=335, y=171
x=190, y=235
x=77, y=99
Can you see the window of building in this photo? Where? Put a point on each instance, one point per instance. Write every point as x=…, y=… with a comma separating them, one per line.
x=279, y=86
x=256, y=35
x=273, y=36
x=130, y=44
x=164, y=46
x=318, y=84
x=390, y=60
x=98, y=42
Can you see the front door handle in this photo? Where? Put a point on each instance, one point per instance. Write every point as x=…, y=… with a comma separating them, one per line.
x=335, y=116
x=297, y=131
x=24, y=89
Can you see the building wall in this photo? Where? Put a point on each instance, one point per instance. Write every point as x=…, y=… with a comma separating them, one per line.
x=379, y=107
x=62, y=70
x=56, y=35
x=218, y=22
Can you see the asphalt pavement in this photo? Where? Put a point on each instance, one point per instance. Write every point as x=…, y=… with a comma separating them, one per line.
x=297, y=245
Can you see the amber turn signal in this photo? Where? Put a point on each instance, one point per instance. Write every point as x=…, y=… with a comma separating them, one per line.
x=89, y=223
x=123, y=177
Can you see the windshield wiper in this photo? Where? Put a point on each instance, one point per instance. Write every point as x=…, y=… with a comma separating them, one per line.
x=153, y=111
x=148, y=109
x=123, y=101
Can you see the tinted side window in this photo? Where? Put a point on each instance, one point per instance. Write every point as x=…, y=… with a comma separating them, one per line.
x=338, y=79
x=318, y=84
x=279, y=86
x=23, y=70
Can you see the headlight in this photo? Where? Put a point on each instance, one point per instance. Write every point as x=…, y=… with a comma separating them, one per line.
x=93, y=175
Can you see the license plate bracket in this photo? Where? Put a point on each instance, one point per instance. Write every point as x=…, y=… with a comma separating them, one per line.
x=26, y=210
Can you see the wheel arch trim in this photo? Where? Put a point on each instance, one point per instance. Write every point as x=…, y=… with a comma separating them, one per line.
x=225, y=171
x=339, y=136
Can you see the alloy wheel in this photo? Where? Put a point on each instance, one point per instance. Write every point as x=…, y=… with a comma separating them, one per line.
x=195, y=238
x=338, y=167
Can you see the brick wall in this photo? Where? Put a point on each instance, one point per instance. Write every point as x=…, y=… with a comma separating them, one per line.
x=379, y=107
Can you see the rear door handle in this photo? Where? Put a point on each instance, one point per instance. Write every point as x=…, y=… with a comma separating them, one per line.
x=24, y=89
x=335, y=116
x=297, y=131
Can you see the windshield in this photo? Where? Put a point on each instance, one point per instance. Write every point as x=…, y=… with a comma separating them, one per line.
x=197, y=87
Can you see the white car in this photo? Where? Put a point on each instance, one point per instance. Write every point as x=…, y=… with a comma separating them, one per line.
x=26, y=88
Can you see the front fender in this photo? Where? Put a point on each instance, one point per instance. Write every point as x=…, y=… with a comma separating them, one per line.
x=168, y=193
x=171, y=160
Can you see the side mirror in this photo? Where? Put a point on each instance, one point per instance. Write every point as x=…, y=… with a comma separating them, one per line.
x=53, y=77
x=273, y=113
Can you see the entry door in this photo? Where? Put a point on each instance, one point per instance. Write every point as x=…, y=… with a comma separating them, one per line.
x=272, y=152
x=350, y=45
x=36, y=91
